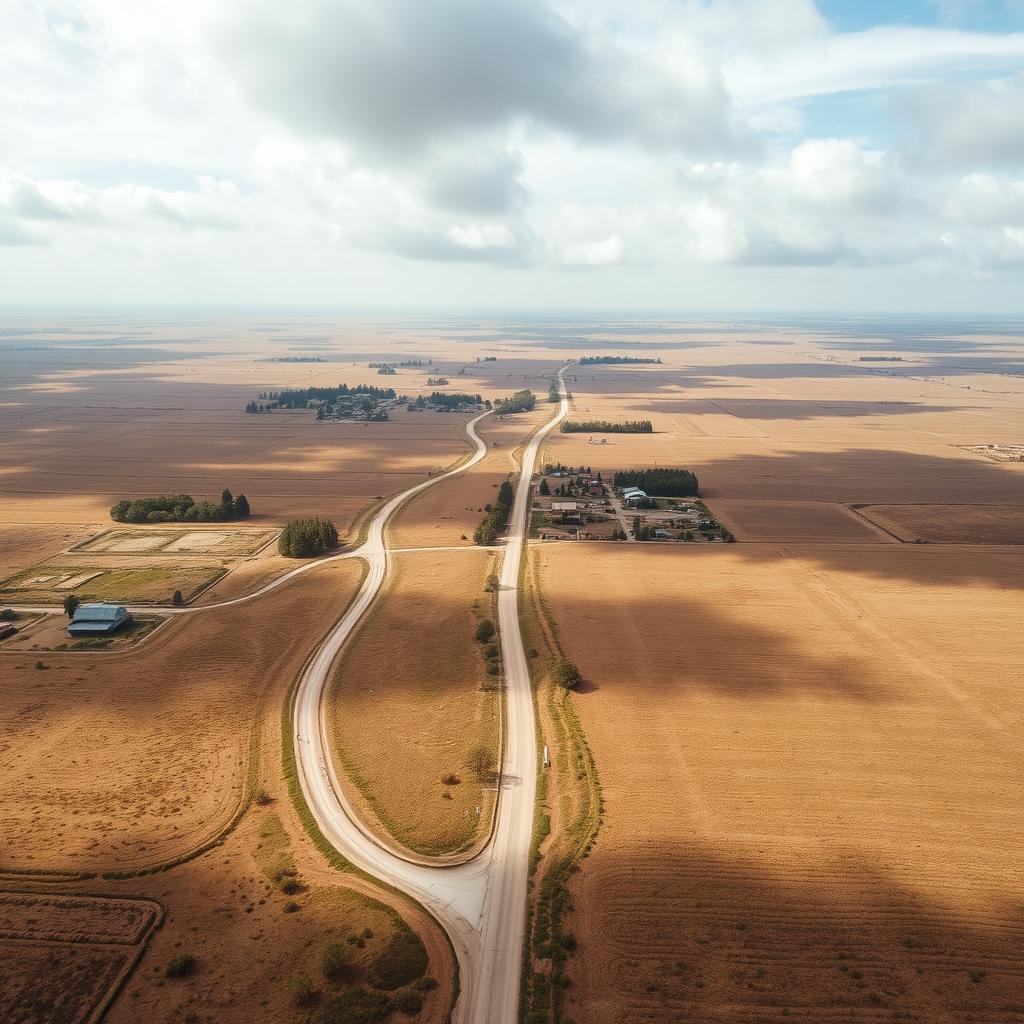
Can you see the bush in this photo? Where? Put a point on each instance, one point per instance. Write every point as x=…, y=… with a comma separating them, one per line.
x=425, y=984
x=567, y=674
x=491, y=651
x=484, y=631
x=181, y=966
x=403, y=960
x=450, y=779
x=39, y=666
x=291, y=907
x=335, y=963
x=408, y=1002
x=8, y=615
x=480, y=760
x=356, y=1006
x=303, y=991
x=305, y=538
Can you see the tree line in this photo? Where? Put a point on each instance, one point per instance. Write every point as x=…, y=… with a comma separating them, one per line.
x=521, y=401
x=299, y=398
x=607, y=427
x=617, y=360
x=496, y=518
x=305, y=538
x=666, y=483
x=180, y=508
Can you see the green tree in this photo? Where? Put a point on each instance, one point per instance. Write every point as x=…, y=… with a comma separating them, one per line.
x=241, y=507
x=226, y=497
x=566, y=674
x=177, y=600
x=71, y=604
x=334, y=962
x=305, y=538
x=544, y=488
x=484, y=631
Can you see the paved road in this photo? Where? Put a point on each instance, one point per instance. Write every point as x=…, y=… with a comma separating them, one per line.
x=481, y=902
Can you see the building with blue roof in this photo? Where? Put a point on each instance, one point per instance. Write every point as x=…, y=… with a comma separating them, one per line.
x=98, y=619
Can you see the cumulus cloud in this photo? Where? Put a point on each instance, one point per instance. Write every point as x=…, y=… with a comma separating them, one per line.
x=397, y=77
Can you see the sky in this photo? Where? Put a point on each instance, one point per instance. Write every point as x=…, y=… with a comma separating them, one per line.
x=730, y=155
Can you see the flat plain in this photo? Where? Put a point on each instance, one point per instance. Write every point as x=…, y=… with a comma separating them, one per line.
x=807, y=741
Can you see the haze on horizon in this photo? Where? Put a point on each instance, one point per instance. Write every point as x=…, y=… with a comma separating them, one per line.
x=517, y=154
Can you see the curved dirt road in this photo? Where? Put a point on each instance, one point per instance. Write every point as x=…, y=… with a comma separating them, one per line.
x=482, y=902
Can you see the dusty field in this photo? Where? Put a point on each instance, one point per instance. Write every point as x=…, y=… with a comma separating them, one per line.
x=950, y=524
x=810, y=768
x=49, y=633
x=65, y=955
x=448, y=514
x=415, y=666
x=122, y=760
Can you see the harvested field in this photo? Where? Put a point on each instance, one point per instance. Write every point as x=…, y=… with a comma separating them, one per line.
x=811, y=781
x=950, y=524
x=51, y=583
x=415, y=666
x=794, y=521
x=115, y=761
x=65, y=955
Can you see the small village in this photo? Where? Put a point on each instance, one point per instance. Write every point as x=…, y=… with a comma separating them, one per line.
x=574, y=503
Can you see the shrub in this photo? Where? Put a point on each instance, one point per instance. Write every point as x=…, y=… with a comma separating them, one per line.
x=290, y=886
x=291, y=907
x=402, y=961
x=450, y=779
x=40, y=666
x=491, y=651
x=356, y=1006
x=334, y=962
x=425, y=984
x=181, y=966
x=8, y=615
x=177, y=600
x=263, y=798
x=484, y=631
x=408, y=1002
x=303, y=991
x=566, y=674
x=480, y=759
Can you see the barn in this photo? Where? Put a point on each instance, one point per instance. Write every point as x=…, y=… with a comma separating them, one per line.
x=98, y=619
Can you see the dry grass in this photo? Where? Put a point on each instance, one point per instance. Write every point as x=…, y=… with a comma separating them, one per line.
x=151, y=585
x=222, y=542
x=410, y=699
x=122, y=760
x=809, y=765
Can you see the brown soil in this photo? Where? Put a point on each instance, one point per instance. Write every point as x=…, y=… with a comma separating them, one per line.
x=411, y=698
x=950, y=524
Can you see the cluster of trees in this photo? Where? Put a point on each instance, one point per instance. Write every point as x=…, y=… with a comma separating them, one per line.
x=607, y=427
x=617, y=360
x=180, y=508
x=304, y=538
x=497, y=516
x=387, y=371
x=449, y=400
x=666, y=483
x=299, y=398
x=554, y=395
x=521, y=401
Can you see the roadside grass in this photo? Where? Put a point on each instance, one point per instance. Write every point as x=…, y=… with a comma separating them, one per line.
x=572, y=786
x=154, y=585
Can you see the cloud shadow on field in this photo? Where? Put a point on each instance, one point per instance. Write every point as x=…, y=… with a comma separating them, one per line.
x=697, y=932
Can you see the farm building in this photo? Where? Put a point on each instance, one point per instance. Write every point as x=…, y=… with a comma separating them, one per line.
x=564, y=506
x=633, y=494
x=98, y=619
